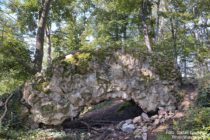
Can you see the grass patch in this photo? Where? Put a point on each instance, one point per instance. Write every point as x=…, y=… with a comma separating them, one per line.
x=40, y=134
x=164, y=136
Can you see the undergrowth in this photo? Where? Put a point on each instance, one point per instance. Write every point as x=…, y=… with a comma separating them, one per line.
x=197, y=120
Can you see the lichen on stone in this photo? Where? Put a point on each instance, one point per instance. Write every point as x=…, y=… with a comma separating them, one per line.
x=46, y=109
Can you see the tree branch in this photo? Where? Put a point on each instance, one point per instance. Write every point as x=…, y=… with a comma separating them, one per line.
x=5, y=107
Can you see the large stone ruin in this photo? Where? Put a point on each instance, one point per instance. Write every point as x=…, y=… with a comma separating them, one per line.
x=86, y=78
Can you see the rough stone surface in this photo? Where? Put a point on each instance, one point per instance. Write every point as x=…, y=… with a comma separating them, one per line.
x=137, y=119
x=129, y=121
x=144, y=136
x=128, y=128
x=63, y=92
x=145, y=117
x=144, y=129
x=119, y=125
x=154, y=117
x=156, y=122
x=137, y=133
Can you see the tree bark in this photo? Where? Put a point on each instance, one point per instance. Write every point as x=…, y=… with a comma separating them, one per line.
x=48, y=35
x=143, y=15
x=174, y=40
x=43, y=13
x=185, y=67
x=205, y=28
x=157, y=22
x=124, y=36
x=2, y=36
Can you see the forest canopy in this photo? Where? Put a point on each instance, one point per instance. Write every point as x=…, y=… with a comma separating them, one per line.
x=35, y=32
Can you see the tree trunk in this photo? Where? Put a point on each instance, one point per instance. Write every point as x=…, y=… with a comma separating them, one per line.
x=124, y=36
x=185, y=67
x=157, y=22
x=2, y=36
x=48, y=35
x=43, y=13
x=206, y=34
x=143, y=15
x=116, y=33
x=174, y=40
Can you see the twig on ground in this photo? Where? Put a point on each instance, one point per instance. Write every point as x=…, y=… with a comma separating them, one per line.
x=96, y=130
x=86, y=124
x=104, y=135
x=5, y=106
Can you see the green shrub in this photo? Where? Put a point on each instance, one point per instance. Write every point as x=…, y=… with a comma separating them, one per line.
x=197, y=123
x=203, y=98
x=180, y=96
x=13, y=134
x=163, y=136
x=15, y=65
x=197, y=119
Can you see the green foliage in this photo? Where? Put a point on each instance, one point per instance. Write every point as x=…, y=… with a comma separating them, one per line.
x=15, y=61
x=15, y=64
x=79, y=60
x=165, y=67
x=13, y=134
x=180, y=96
x=26, y=14
x=203, y=98
x=8, y=83
x=48, y=108
x=196, y=120
x=41, y=87
x=66, y=39
x=163, y=136
x=15, y=56
x=15, y=110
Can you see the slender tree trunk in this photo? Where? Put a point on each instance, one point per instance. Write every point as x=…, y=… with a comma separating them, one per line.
x=125, y=32
x=48, y=35
x=40, y=35
x=116, y=32
x=143, y=15
x=2, y=36
x=185, y=67
x=157, y=22
x=85, y=18
x=125, y=18
x=124, y=37
x=174, y=40
x=206, y=34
